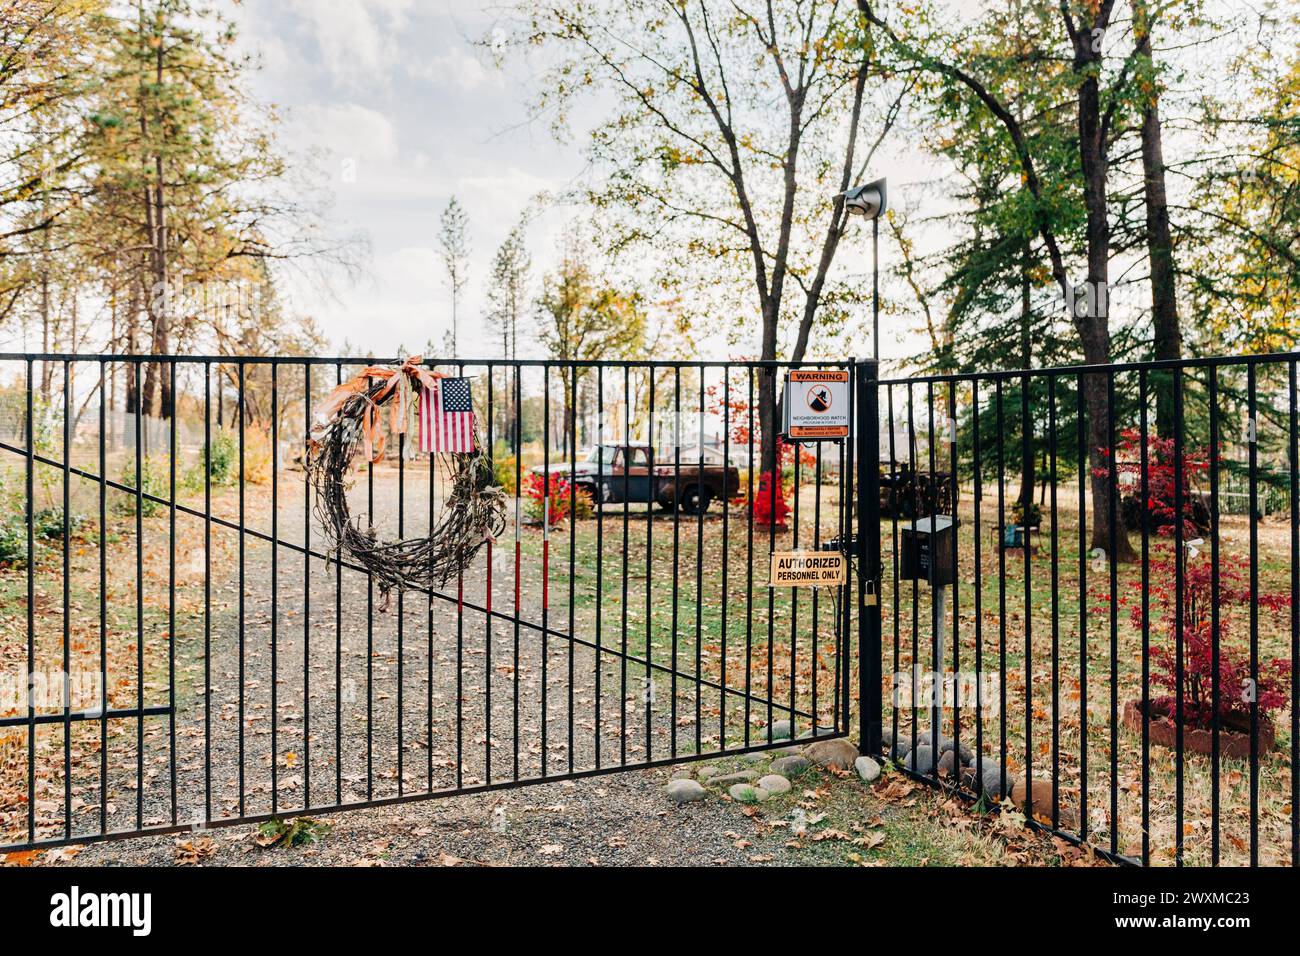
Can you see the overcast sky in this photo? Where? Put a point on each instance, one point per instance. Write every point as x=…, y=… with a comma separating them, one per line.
x=405, y=113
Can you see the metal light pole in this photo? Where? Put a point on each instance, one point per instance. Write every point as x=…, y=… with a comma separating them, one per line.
x=871, y=201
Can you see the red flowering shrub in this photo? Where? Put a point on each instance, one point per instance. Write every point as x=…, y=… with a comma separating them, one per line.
x=768, y=511
x=1159, y=511
x=535, y=494
x=1272, y=690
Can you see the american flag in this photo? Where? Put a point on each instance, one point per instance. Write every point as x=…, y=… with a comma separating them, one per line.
x=446, y=416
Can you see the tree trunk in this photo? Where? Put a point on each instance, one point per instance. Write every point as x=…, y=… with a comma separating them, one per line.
x=1026, y=496
x=1167, y=338
x=1093, y=325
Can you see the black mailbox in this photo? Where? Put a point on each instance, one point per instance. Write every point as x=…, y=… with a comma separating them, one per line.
x=930, y=551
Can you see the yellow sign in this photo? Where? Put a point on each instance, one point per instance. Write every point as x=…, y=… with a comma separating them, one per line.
x=806, y=569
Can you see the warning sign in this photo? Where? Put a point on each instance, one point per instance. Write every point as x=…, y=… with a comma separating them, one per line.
x=806, y=569
x=817, y=404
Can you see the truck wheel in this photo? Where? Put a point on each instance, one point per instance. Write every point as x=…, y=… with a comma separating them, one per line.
x=695, y=500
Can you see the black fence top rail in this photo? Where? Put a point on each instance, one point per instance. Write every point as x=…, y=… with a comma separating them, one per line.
x=429, y=361
x=1106, y=369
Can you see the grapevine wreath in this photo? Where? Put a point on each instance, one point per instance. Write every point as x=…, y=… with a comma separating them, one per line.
x=350, y=421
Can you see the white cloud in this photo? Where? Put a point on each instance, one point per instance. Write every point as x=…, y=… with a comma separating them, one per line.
x=457, y=68
x=349, y=130
x=357, y=38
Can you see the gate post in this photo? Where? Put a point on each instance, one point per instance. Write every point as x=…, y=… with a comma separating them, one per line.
x=870, y=701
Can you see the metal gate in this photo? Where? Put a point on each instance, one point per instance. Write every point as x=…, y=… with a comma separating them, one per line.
x=181, y=648
x=1121, y=640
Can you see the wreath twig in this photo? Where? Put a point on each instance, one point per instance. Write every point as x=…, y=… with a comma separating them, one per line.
x=472, y=515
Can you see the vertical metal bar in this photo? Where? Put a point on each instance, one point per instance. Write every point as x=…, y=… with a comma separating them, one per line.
x=699, y=574
x=1002, y=592
x=773, y=484
x=401, y=620
x=870, y=703
x=518, y=449
x=677, y=511
x=796, y=450
x=338, y=619
x=1294, y=460
x=844, y=637
x=30, y=515
x=573, y=543
x=460, y=657
x=1215, y=689
x=936, y=665
x=950, y=429
x=275, y=584
x=171, y=599
x=207, y=577
x=66, y=688
x=1112, y=506
x=1083, y=607
x=749, y=557
x=1180, y=558
x=546, y=558
x=1027, y=468
x=817, y=546
x=139, y=606
x=1056, y=608
x=1145, y=491
x=625, y=455
x=978, y=472
x=1251, y=390
x=915, y=495
x=599, y=507
x=243, y=482
x=726, y=549
x=895, y=503
x=306, y=596
x=104, y=371
x=487, y=619
x=648, y=690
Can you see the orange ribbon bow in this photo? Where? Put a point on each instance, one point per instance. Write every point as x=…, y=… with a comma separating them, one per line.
x=399, y=384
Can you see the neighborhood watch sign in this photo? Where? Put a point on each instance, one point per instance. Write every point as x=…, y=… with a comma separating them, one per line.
x=817, y=404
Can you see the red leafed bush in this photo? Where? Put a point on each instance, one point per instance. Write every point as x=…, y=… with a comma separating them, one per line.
x=1159, y=511
x=768, y=511
x=1272, y=690
x=535, y=493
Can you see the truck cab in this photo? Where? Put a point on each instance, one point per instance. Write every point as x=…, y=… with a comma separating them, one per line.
x=617, y=473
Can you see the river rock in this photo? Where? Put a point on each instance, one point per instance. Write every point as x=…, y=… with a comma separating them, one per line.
x=837, y=753
x=684, y=791
x=867, y=769
x=748, y=793
x=774, y=783
x=920, y=759
x=791, y=766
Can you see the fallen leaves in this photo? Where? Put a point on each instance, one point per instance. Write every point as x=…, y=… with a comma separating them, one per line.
x=194, y=851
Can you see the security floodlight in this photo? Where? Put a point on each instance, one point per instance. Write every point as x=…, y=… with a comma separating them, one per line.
x=870, y=201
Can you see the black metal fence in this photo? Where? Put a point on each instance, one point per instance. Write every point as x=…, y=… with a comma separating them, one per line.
x=181, y=648
x=1102, y=636
x=1115, y=634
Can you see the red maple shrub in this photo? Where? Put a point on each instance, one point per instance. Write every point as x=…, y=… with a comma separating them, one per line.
x=535, y=494
x=1158, y=512
x=1272, y=689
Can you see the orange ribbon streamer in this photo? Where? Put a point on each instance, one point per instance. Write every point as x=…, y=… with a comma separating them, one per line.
x=400, y=383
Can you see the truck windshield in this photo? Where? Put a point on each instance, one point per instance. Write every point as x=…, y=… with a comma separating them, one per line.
x=604, y=454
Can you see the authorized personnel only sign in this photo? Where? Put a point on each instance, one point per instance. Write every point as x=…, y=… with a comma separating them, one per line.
x=806, y=569
x=817, y=404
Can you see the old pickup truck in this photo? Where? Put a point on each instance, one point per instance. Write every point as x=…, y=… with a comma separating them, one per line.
x=612, y=474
